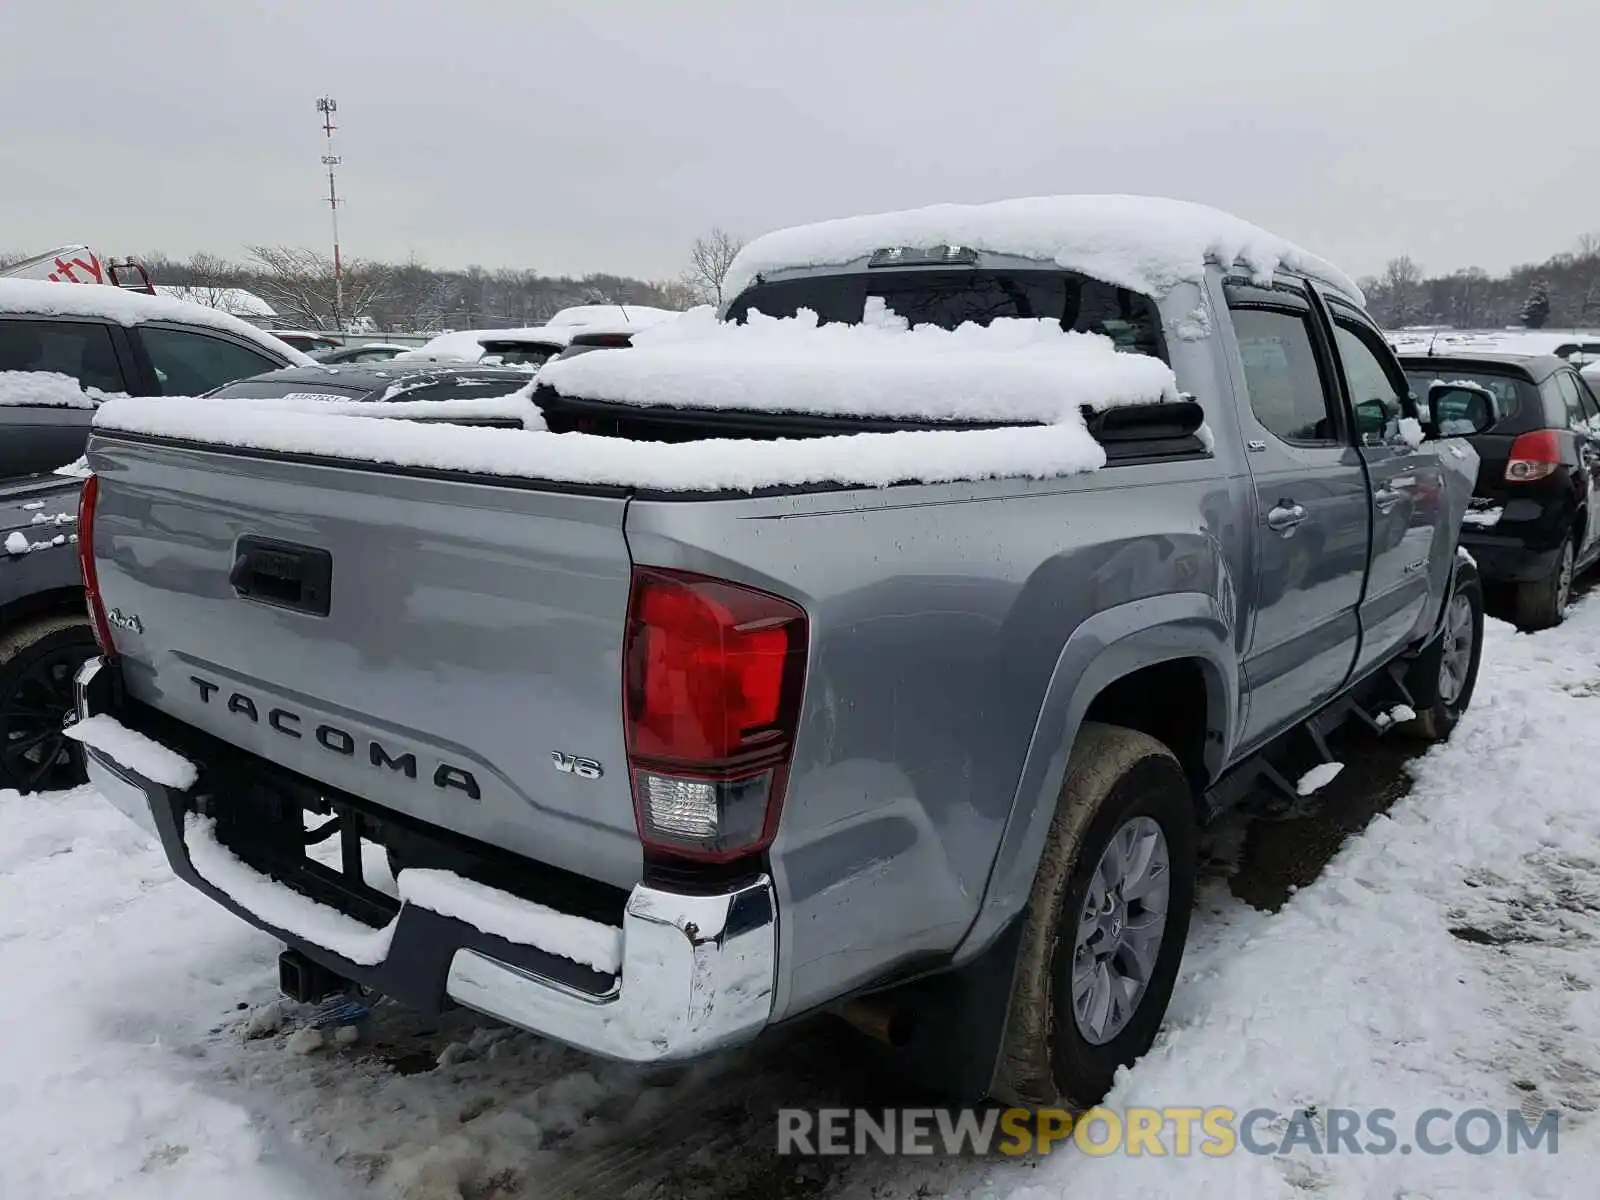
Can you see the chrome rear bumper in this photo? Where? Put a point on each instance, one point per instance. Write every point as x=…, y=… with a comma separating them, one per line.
x=697, y=971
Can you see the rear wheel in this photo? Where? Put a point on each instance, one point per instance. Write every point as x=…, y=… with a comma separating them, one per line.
x=1106, y=922
x=1543, y=603
x=37, y=663
x=1442, y=678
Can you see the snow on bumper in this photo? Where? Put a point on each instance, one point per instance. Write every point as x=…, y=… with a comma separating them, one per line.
x=692, y=973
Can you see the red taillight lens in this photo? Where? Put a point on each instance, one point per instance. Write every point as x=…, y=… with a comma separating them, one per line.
x=712, y=676
x=87, y=499
x=1533, y=456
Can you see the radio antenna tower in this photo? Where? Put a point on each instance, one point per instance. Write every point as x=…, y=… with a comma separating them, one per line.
x=327, y=106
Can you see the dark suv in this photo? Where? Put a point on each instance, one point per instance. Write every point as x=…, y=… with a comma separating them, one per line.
x=110, y=341
x=1531, y=526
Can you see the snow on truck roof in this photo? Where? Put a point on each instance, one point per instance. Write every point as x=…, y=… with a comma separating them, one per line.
x=1144, y=243
x=29, y=296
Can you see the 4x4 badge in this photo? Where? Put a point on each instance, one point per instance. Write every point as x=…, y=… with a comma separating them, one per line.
x=130, y=622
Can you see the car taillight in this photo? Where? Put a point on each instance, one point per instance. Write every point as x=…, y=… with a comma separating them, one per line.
x=1533, y=456
x=712, y=675
x=87, y=499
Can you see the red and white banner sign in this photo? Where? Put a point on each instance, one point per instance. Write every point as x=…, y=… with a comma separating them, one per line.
x=65, y=264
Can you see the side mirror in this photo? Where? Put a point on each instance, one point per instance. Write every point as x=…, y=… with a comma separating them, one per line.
x=1461, y=410
x=1372, y=421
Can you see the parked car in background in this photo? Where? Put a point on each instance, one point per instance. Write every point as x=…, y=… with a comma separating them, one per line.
x=98, y=341
x=44, y=629
x=1534, y=523
x=666, y=744
x=583, y=343
x=365, y=352
x=393, y=383
x=1578, y=347
x=306, y=341
x=536, y=344
x=523, y=348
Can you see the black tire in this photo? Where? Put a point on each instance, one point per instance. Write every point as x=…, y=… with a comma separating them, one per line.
x=1439, y=704
x=1543, y=604
x=37, y=662
x=1113, y=776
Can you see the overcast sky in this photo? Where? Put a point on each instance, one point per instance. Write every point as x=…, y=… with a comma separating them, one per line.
x=598, y=136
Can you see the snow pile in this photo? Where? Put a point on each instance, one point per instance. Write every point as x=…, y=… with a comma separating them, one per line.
x=1009, y=370
x=1319, y=777
x=44, y=389
x=129, y=308
x=865, y=460
x=1140, y=242
x=78, y=468
x=17, y=542
x=135, y=751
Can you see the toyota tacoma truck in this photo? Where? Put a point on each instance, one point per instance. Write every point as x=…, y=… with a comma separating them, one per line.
x=875, y=645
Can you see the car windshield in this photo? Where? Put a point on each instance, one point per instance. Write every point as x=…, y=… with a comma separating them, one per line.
x=1514, y=396
x=951, y=298
x=273, y=389
x=519, y=354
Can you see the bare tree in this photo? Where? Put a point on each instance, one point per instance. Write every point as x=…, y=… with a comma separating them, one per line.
x=211, y=280
x=676, y=293
x=1402, y=286
x=709, y=260
x=300, y=284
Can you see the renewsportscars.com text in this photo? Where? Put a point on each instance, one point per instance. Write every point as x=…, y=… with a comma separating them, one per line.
x=1213, y=1131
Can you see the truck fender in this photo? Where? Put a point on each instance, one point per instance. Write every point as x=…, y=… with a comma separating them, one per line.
x=1108, y=646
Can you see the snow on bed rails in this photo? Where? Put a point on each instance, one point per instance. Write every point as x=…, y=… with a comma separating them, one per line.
x=1145, y=243
x=509, y=402
x=1009, y=370
x=867, y=460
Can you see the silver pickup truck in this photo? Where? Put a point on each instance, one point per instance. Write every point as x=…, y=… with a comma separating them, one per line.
x=649, y=769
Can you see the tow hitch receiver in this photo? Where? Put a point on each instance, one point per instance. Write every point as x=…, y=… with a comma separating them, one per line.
x=305, y=981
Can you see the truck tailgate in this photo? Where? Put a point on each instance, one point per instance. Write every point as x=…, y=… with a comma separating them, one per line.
x=467, y=640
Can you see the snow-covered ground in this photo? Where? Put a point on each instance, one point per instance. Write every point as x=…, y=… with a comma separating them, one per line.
x=1445, y=958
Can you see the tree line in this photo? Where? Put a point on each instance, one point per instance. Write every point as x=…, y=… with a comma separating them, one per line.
x=409, y=297
x=1563, y=292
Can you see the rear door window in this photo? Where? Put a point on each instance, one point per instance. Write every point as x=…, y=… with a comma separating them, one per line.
x=189, y=363
x=1290, y=393
x=1566, y=384
x=1376, y=397
x=82, y=349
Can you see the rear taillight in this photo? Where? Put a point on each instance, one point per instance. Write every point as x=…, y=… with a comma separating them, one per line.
x=91, y=578
x=1533, y=456
x=712, y=675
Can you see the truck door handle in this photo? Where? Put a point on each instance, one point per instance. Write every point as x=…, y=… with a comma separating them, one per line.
x=1387, y=498
x=282, y=574
x=1283, y=517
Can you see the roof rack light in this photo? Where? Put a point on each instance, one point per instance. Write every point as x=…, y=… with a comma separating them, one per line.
x=923, y=256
